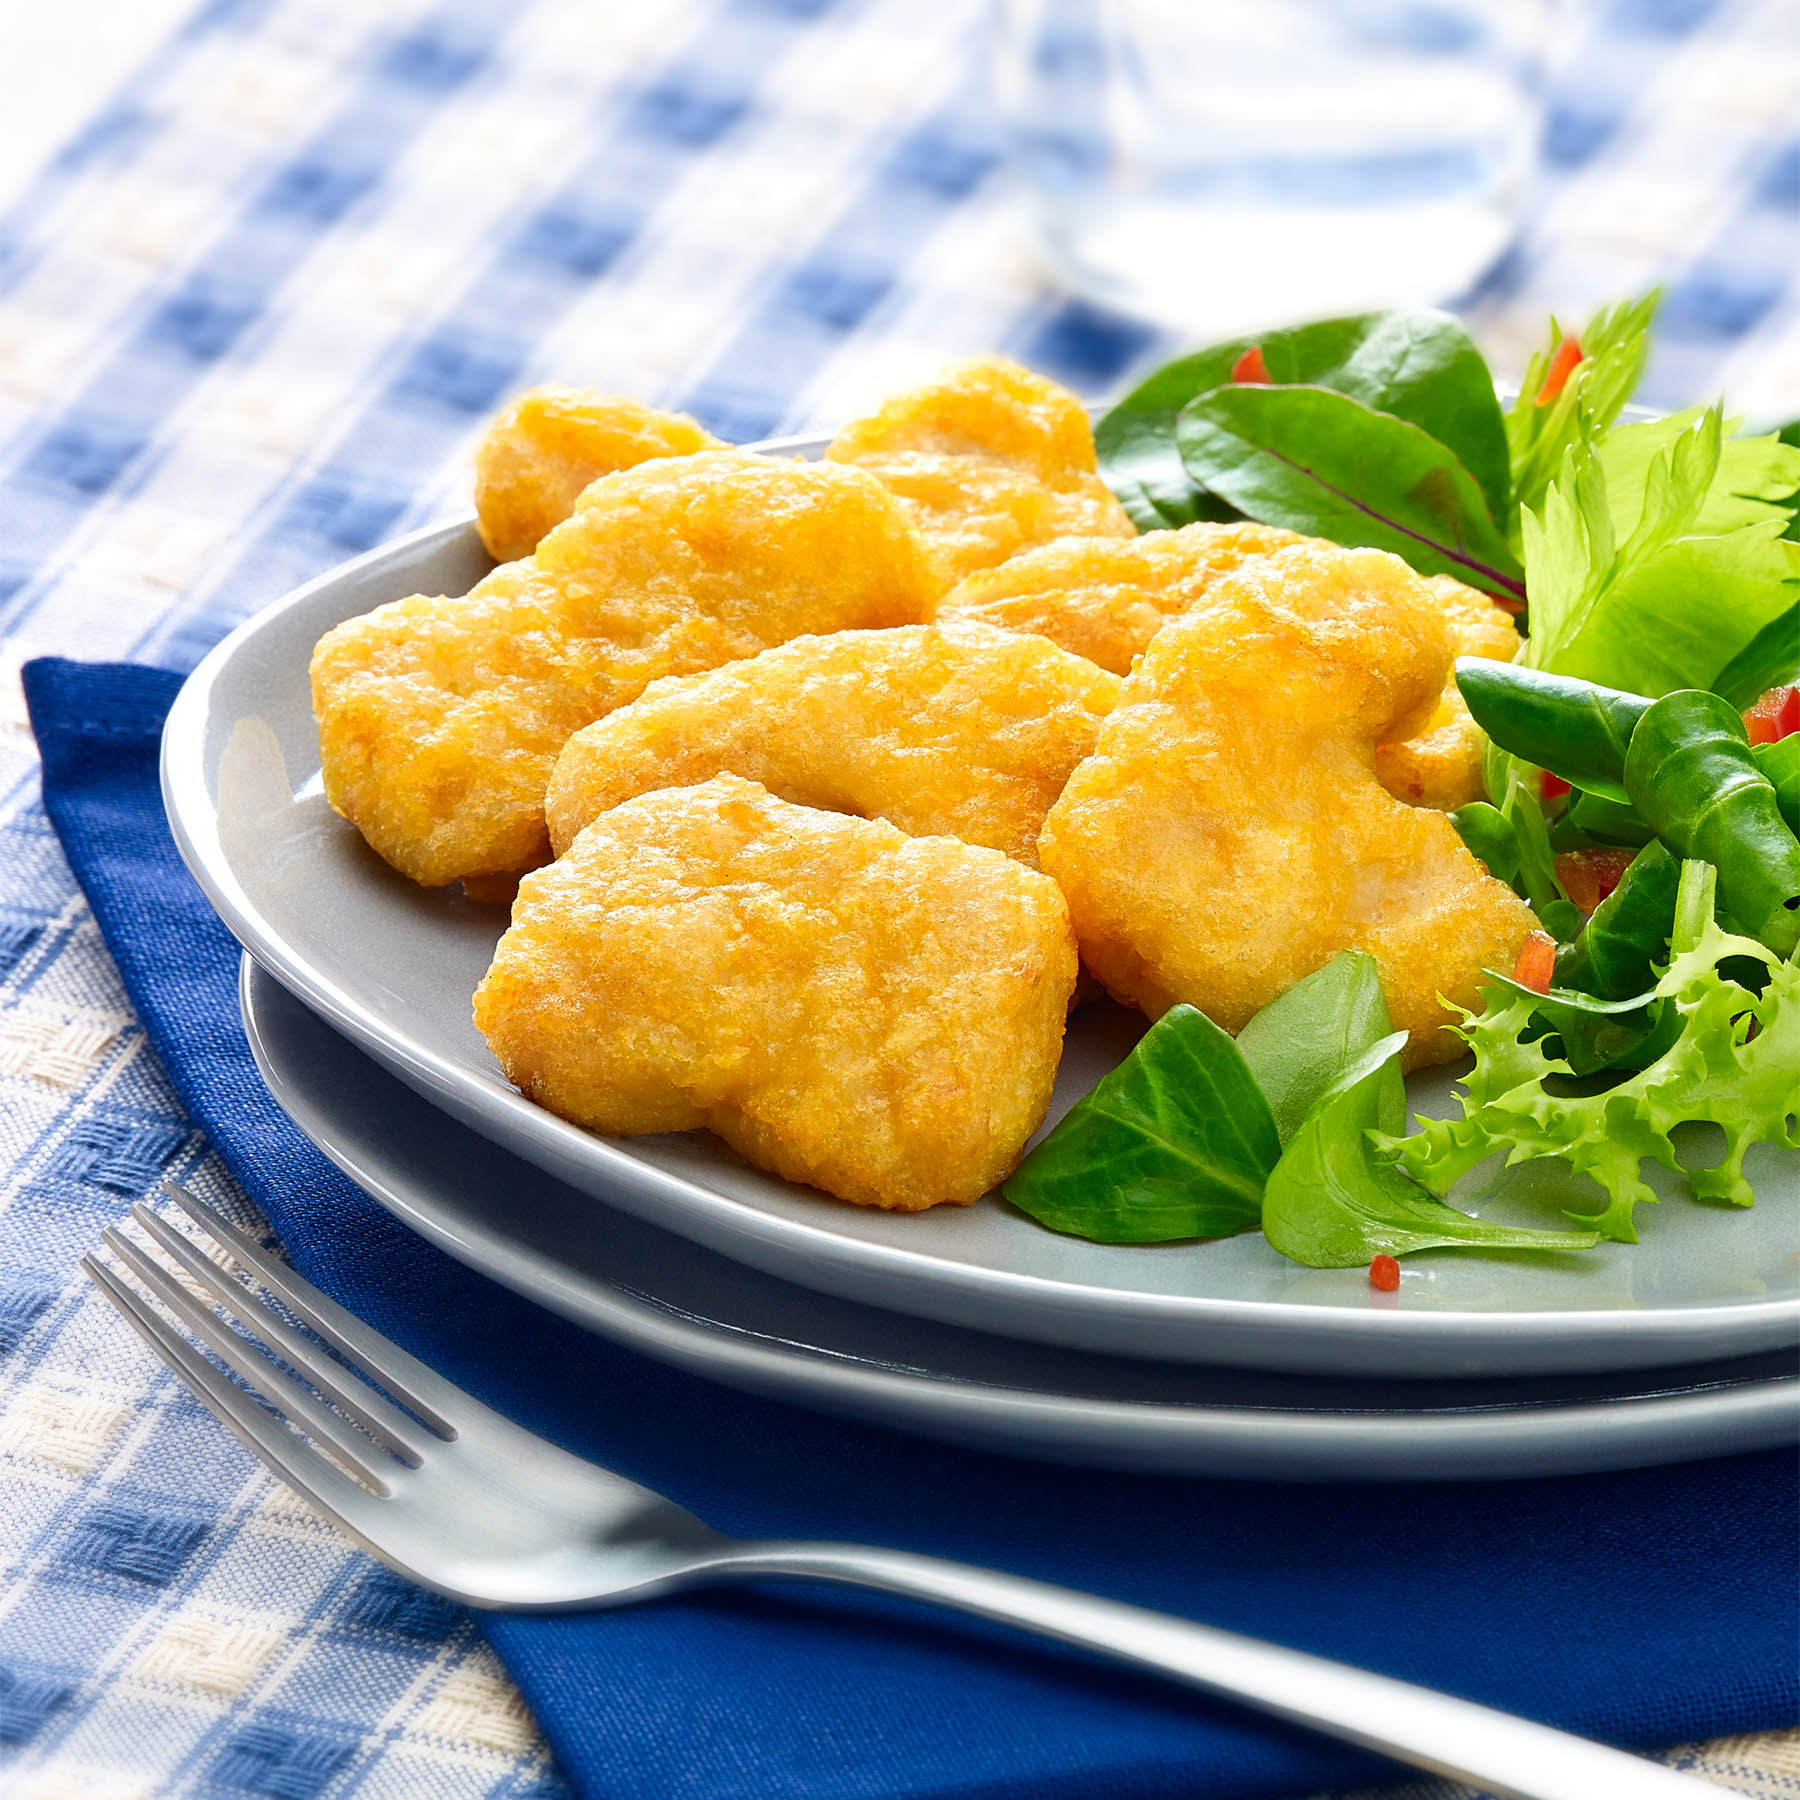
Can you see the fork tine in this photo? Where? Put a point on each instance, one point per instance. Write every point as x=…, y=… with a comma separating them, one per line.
x=296, y=1403
x=385, y=1422
x=291, y=1458
x=419, y=1389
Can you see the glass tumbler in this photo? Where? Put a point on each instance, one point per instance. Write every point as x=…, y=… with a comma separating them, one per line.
x=1223, y=165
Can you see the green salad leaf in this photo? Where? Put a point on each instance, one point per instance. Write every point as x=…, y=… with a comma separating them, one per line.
x=1691, y=775
x=1615, y=343
x=1615, y=955
x=1574, y=729
x=1770, y=659
x=1780, y=762
x=1331, y=1205
x=1301, y=1042
x=1651, y=600
x=1489, y=834
x=1328, y=465
x=1592, y=819
x=1175, y=1142
x=1730, y=1061
x=1420, y=366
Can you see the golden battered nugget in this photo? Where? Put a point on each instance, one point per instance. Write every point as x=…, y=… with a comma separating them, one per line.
x=1228, y=835
x=878, y=1015
x=1441, y=765
x=550, y=443
x=440, y=719
x=969, y=733
x=987, y=460
x=1106, y=600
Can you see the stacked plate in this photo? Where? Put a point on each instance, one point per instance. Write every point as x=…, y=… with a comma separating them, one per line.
x=975, y=1324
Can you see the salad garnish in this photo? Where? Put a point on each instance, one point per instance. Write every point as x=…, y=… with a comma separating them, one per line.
x=1643, y=779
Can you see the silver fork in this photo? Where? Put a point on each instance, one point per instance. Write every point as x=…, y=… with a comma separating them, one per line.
x=462, y=1500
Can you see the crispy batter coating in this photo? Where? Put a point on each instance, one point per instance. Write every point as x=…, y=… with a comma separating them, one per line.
x=1106, y=600
x=877, y=1015
x=987, y=460
x=1441, y=765
x=1228, y=835
x=545, y=447
x=968, y=733
x=440, y=719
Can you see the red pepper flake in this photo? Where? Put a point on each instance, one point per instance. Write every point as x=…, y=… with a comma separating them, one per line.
x=1775, y=716
x=1562, y=366
x=1552, y=787
x=1251, y=367
x=1537, y=962
x=1384, y=1273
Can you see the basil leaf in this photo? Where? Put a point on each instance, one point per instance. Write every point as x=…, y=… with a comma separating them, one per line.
x=1489, y=835
x=1331, y=1205
x=1420, y=366
x=1300, y=1043
x=1175, y=1142
x=1613, y=956
x=1327, y=465
x=1770, y=659
x=1573, y=728
x=1780, y=761
x=1691, y=775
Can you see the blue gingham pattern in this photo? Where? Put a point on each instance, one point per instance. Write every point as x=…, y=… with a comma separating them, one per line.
x=251, y=321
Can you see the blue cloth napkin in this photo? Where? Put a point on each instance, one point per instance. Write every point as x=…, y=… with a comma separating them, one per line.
x=1645, y=1608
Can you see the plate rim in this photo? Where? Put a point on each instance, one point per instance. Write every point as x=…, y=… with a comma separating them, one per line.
x=915, y=1401
x=193, y=822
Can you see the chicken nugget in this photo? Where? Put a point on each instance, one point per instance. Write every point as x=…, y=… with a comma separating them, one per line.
x=1228, y=835
x=877, y=1015
x=440, y=719
x=545, y=448
x=1441, y=765
x=968, y=733
x=987, y=460
x=1106, y=600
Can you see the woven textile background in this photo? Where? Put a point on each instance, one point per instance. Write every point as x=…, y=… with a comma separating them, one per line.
x=250, y=323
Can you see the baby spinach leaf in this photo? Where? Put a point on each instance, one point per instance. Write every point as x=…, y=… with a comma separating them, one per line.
x=1332, y=1205
x=1615, y=343
x=1780, y=761
x=1418, y=365
x=1301, y=1042
x=1770, y=659
x=1175, y=1142
x=1691, y=775
x=1613, y=956
x=1575, y=729
x=1489, y=834
x=1325, y=464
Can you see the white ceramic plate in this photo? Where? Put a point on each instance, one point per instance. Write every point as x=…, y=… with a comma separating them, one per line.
x=671, y=1299
x=393, y=966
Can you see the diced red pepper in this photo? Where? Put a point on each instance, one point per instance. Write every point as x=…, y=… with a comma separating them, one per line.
x=1562, y=366
x=1588, y=876
x=1384, y=1273
x=1775, y=716
x=1251, y=367
x=1552, y=787
x=1537, y=962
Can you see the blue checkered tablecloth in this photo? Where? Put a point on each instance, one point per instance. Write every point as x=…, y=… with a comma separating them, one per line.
x=251, y=321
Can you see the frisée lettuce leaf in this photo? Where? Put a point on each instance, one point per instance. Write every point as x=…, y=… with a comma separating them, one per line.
x=1731, y=1062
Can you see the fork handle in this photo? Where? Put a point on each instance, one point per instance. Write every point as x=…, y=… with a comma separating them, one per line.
x=1511, y=1757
